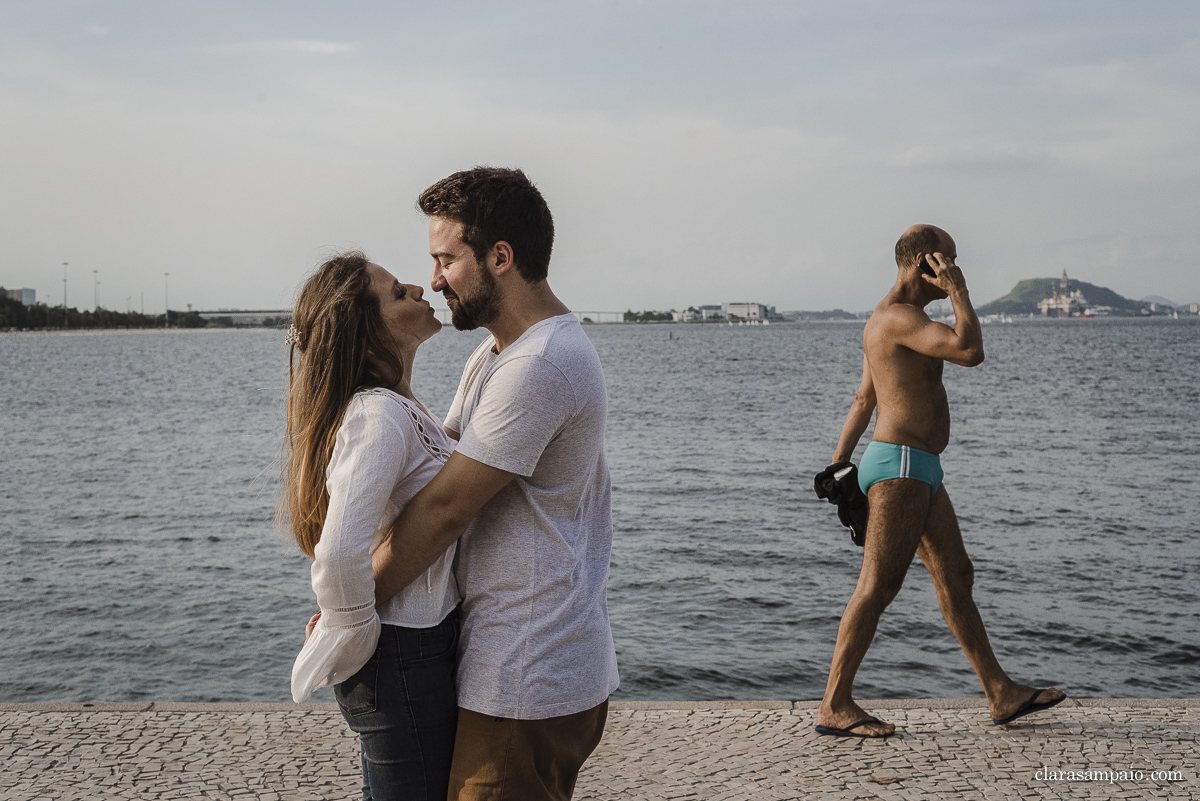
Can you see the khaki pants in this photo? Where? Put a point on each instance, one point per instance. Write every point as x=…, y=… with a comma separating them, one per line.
x=504, y=759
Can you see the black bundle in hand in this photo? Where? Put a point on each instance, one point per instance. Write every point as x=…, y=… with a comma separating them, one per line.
x=839, y=484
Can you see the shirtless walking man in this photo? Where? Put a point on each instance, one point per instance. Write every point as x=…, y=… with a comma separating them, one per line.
x=910, y=510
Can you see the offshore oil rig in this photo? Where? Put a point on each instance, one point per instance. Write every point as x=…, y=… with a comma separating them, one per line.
x=1063, y=302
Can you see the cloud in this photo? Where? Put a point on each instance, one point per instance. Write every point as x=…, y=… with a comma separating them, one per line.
x=682, y=168
x=993, y=155
x=314, y=46
x=319, y=46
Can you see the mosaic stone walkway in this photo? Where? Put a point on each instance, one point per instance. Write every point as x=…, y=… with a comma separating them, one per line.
x=1098, y=748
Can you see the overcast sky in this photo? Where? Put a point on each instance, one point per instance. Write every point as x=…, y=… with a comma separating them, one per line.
x=691, y=152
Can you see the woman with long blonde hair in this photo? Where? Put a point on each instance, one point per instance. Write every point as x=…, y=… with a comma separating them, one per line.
x=360, y=447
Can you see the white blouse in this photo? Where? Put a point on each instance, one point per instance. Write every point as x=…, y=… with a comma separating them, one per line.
x=386, y=450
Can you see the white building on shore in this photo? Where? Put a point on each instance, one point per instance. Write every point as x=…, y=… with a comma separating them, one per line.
x=700, y=314
x=747, y=311
x=26, y=297
x=726, y=311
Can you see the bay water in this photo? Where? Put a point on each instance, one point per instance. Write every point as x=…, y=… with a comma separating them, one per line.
x=139, y=558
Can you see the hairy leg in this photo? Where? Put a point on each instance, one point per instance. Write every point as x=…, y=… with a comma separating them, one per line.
x=942, y=551
x=899, y=509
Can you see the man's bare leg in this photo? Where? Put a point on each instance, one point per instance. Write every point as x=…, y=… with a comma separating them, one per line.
x=942, y=551
x=899, y=510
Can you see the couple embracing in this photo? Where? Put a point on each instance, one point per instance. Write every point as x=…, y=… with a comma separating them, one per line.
x=460, y=566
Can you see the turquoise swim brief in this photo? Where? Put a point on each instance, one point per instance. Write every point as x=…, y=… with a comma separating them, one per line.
x=883, y=461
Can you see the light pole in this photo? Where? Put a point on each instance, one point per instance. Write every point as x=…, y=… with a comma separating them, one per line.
x=95, y=291
x=166, y=300
x=64, y=296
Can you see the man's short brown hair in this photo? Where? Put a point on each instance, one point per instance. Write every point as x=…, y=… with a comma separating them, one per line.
x=496, y=204
x=916, y=240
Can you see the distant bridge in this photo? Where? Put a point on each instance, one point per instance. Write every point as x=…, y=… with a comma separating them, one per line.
x=281, y=317
x=600, y=317
x=248, y=317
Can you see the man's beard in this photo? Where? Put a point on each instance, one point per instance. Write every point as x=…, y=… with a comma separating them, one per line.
x=479, y=308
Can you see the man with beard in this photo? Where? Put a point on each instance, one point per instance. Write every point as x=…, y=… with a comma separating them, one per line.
x=528, y=491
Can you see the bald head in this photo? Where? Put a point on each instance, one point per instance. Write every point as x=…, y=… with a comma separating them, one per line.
x=921, y=239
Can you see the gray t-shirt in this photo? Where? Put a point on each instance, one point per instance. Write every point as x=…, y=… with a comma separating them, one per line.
x=533, y=564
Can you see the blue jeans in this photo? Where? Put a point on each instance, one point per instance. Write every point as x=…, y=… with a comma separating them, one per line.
x=403, y=706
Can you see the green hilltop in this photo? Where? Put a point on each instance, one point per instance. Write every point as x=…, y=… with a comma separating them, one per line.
x=1024, y=297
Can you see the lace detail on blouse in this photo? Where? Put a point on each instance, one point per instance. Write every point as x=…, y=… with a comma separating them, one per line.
x=347, y=617
x=435, y=450
x=352, y=608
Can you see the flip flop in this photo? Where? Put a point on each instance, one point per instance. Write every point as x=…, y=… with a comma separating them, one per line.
x=849, y=730
x=1030, y=707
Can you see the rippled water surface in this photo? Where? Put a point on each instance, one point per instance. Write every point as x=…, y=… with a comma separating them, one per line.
x=139, y=557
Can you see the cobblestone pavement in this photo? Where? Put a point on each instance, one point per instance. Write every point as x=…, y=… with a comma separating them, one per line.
x=709, y=750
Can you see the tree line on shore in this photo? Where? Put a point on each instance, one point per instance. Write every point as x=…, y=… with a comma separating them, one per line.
x=16, y=315
x=647, y=316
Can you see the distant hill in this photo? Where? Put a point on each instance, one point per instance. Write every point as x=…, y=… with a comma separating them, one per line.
x=1024, y=297
x=1160, y=301
x=833, y=314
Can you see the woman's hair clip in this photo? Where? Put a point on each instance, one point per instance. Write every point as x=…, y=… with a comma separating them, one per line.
x=293, y=337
